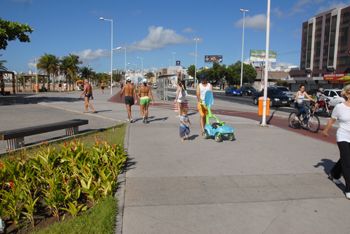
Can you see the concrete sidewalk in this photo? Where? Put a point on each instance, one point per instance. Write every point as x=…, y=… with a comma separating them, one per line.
x=269, y=180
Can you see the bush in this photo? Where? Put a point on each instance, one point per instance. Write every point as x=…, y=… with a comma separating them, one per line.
x=69, y=179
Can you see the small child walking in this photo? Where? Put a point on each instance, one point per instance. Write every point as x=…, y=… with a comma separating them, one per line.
x=185, y=123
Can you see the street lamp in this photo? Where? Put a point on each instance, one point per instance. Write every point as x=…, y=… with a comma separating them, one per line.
x=263, y=121
x=196, y=39
x=141, y=64
x=119, y=48
x=243, y=11
x=110, y=20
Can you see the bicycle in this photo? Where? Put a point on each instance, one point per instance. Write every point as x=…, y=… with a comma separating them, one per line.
x=309, y=121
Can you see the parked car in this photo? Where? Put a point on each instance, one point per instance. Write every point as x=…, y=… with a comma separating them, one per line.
x=334, y=96
x=233, y=91
x=248, y=90
x=277, y=97
x=286, y=91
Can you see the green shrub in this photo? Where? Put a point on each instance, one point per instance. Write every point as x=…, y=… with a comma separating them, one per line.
x=69, y=179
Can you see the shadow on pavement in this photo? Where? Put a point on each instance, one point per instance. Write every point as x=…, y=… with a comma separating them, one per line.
x=327, y=165
x=157, y=119
x=193, y=137
x=100, y=111
x=30, y=99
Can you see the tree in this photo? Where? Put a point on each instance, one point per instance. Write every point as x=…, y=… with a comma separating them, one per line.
x=49, y=63
x=149, y=75
x=10, y=31
x=86, y=73
x=234, y=73
x=191, y=70
x=70, y=67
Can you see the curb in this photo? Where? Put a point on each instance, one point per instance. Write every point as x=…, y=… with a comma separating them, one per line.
x=120, y=194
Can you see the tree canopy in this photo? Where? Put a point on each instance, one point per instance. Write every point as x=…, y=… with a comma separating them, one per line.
x=232, y=73
x=10, y=31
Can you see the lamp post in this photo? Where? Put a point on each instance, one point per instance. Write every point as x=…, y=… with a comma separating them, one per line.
x=110, y=20
x=243, y=11
x=119, y=48
x=141, y=64
x=196, y=39
x=263, y=121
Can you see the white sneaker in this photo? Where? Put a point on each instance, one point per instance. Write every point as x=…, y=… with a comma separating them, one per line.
x=347, y=195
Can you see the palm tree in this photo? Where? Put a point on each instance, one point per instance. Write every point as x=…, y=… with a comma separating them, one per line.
x=70, y=67
x=49, y=63
x=86, y=73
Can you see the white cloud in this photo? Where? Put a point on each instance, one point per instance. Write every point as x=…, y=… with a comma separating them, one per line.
x=255, y=21
x=188, y=30
x=158, y=37
x=332, y=5
x=278, y=12
x=89, y=54
x=31, y=64
x=301, y=5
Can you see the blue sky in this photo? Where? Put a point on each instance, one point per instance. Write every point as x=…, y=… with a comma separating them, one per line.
x=156, y=30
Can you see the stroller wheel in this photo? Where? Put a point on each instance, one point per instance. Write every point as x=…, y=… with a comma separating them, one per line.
x=206, y=134
x=231, y=137
x=218, y=137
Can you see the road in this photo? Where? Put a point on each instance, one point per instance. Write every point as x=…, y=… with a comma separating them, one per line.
x=244, y=103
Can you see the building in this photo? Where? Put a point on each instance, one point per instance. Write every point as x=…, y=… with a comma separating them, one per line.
x=325, y=46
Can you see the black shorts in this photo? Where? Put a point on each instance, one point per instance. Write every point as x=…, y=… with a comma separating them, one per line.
x=129, y=100
x=89, y=96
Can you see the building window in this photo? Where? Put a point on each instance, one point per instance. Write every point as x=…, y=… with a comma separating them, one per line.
x=309, y=46
x=332, y=41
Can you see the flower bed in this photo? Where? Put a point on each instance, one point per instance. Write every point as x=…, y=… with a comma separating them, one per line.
x=55, y=181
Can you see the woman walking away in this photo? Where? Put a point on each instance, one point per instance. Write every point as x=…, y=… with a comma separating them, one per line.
x=300, y=97
x=87, y=93
x=341, y=113
x=181, y=94
x=145, y=96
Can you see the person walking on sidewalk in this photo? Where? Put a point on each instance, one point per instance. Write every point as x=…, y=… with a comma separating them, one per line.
x=145, y=95
x=202, y=88
x=129, y=93
x=341, y=113
x=180, y=98
x=87, y=93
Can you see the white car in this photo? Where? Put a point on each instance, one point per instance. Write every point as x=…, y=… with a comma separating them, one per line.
x=334, y=96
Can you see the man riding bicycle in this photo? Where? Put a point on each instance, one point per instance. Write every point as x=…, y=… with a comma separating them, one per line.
x=300, y=98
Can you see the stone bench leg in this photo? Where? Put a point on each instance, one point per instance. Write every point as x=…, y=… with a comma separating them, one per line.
x=15, y=143
x=72, y=131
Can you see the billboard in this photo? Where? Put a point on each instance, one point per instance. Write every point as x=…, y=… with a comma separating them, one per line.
x=259, y=56
x=213, y=58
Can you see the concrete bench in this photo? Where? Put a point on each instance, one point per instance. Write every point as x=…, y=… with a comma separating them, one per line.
x=15, y=138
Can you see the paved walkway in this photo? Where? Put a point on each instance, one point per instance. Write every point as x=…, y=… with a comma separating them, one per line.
x=270, y=180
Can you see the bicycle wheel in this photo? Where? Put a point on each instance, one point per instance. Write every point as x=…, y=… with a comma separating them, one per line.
x=313, y=124
x=293, y=121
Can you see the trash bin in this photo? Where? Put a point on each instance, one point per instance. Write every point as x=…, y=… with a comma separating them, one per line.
x=260, y=106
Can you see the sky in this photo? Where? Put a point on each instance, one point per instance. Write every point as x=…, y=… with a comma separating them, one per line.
x=155, y=32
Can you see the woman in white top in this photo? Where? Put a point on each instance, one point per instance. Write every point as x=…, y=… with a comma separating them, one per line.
x=341, y=113
x=181, y=96
x=202, y=88
x=300, y=98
